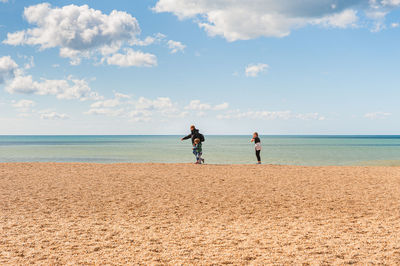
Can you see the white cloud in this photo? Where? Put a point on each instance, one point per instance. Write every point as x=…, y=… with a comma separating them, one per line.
x=78, y=31
x=158, y=103
x=345, y=19
x=23, y=105
x=244, y=20
x=310, y=116
x=7, y=68
x=269, y=115
x=175, y=46
x=253, y=70
x=140, y=116
x=25, y=108
x=221, y=106
x=118, y=100
x=197, y=105
x=147, y=41
x=377, y=115
x=4, y=1
x=391, y=2
x=132, y=58
x=157, y=38
x=104, y=111
x=51, y=115
x=105, y=103
x=134, y=111
x=119, y=95
x=18, y=82
x=141, y=109
x=62, y=89
x=395, y=25
x=144, y=109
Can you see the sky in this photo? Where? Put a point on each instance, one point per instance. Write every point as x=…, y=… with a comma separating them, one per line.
x=229, y=67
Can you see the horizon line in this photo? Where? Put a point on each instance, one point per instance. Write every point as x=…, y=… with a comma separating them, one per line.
x=289, y=135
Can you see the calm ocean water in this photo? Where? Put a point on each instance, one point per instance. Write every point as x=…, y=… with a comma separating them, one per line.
x=291, y=150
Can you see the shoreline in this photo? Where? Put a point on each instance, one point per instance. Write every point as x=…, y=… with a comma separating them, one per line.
x=396, y=164
x=85, y=213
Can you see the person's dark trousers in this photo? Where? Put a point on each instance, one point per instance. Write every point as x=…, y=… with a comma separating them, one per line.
x=258, y=156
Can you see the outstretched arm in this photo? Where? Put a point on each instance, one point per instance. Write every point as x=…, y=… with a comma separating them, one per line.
x=187, y=137
x=252, y=139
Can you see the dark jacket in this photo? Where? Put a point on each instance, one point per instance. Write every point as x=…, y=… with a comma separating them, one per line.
x=194, y=134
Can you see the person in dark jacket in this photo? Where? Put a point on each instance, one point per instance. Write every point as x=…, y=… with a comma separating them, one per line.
x=194, y=134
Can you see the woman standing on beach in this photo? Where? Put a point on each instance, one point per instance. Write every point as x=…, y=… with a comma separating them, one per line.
x=257, y=145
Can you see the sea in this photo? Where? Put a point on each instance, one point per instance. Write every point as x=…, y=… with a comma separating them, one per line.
x=283, y=150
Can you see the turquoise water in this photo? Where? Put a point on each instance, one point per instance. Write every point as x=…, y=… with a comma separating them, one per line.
x=291, y=150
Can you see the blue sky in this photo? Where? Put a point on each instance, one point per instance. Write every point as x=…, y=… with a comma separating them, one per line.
x=230, y=67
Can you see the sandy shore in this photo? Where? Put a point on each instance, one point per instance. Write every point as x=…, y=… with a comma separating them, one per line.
x=168, y=214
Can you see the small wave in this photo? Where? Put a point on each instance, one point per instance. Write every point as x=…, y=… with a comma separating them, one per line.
x=380, y=163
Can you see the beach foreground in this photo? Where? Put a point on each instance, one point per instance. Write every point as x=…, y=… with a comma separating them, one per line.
x=68, y=213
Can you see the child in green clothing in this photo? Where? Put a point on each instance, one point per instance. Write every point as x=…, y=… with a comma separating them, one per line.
x=198, y=151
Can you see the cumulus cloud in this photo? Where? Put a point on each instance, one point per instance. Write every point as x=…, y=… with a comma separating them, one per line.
x=144, y=109
x=81, y=32
x=310, y=116
x=253, y=70
x=140, y=116
x=197, y=105
x=345, y=19
x=106, y=103
x=244, y=20
x=269, y=115
x=51, y=115
x=19, y=82
x=391, y=2
x=175, y=46
x=119, y=95
x=78, y=31
x=63, y=89
x=103, y=106
x=76, y=28
x=104, y=111
x=222, y=106
x=132, y=58
x=140, y=109
x=157, y=38
x=23, y=106
x=7, y=68
x=377, y=115
x=159, y=103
